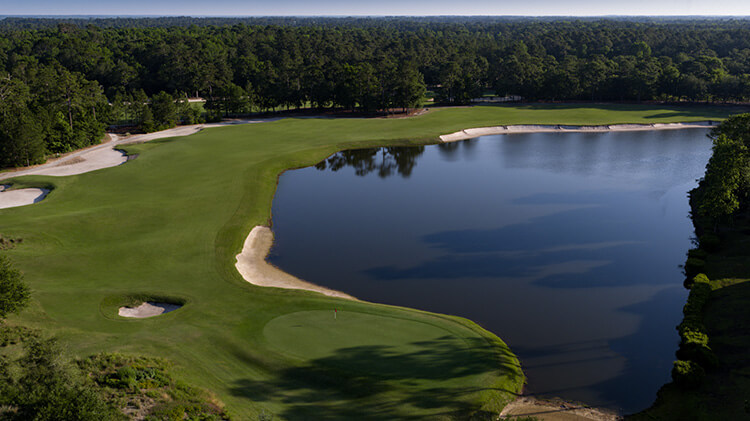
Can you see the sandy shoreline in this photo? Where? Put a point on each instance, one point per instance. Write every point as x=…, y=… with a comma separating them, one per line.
x=252, y=265
x=105, y=155
x=554, y=410
x=560, y=128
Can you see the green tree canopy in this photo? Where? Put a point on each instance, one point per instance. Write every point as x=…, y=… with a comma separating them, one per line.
x=14, y=294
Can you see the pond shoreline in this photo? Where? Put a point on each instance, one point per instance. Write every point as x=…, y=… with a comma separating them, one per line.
x=252, y=265
x=562, y=128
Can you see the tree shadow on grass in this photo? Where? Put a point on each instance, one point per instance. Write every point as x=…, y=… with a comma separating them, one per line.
x=431, y=379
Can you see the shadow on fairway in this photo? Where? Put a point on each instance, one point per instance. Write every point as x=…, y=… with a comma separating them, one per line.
x=379, y=382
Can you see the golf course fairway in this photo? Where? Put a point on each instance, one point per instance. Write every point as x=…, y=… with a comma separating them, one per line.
x=167, y=226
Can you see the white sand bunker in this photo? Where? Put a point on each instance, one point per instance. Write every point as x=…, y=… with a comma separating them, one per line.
x=252, y=265
x=105, y=155
x=20, y=197
x=147, y=309
x=521, y=128
x=94, y=159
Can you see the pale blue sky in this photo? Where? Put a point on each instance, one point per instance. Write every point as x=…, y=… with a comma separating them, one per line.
x=375, y=7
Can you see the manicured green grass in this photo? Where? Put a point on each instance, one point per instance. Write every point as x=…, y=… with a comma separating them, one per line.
x=169, y=224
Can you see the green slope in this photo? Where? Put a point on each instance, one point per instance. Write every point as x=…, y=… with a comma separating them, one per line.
x=170, y=223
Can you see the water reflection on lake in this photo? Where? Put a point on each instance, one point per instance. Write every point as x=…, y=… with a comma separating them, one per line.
x=566, y=245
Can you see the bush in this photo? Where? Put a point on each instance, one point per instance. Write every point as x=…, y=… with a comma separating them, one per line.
x=694, y=337
x=709, y=242
x=694, y=266
x=687, y=374
x=14, y=294
x=698, y=353
x=697, y=254
x=213, y=116
x=125, y=378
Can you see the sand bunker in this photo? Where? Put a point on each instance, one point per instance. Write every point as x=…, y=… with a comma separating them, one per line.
x=556, y=410
x=485, y=131
x=252, y=265
x=20, y=197
x=106, y=155
x=147, y=309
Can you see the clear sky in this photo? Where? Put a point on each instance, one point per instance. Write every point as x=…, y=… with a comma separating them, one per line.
x=374, y=7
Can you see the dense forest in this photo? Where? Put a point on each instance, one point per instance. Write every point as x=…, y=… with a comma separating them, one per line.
x=63, y=81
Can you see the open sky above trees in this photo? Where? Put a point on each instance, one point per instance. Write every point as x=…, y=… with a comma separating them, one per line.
x=380, y=8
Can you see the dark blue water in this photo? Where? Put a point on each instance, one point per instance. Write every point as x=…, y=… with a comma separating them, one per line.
x=568, y=246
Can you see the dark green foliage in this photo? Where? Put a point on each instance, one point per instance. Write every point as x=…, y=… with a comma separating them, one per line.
x=145, y=383
x=725, y=189
x=57, y=75
x=20, y=134
x=164, y=111
x=735, y=127
x=694, y=342
x=694, y=266
x=724, y=182
x=14, y=294
x=687, y=374
x=229, y=99
x=710, y=242
x=698, y=353
x=147, y=122
x=697, y=254
x=39, y=386
x=187, y=113
x=12, y=335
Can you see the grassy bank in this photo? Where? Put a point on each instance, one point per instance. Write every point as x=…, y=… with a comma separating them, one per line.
x=169, y=224
x=723, y=393
x=711, y=379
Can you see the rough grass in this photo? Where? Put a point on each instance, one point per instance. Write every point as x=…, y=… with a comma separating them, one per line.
x=170, y=223
x=142, y=388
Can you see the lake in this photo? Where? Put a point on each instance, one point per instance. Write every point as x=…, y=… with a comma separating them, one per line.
x=568, y=246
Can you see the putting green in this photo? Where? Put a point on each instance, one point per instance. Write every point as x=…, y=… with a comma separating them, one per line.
x=324, y=335
x=170, y=223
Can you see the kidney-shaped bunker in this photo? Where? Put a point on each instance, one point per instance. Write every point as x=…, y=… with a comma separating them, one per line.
x=148, y=309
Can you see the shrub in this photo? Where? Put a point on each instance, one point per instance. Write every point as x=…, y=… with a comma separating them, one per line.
x=687, y=374
x=694, y=266
x=694, y=337
x=14, y=294
x=697, y=254
x=125, y=378
x=699, y=295
x=698, y=353
x=709, y=242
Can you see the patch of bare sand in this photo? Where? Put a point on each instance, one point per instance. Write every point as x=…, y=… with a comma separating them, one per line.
x=252, y=265
x=20, y=197
x=494, y=130
x=105, y=155
x=147, y=309
x=555, y=410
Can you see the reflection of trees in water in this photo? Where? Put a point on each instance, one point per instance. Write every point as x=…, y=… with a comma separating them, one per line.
x=385, y=161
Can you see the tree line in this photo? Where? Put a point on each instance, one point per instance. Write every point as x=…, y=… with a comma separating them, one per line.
x=63, y=81
x=724, y=190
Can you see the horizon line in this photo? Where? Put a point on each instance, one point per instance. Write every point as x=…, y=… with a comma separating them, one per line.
x=94, y=16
